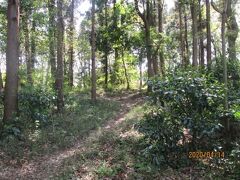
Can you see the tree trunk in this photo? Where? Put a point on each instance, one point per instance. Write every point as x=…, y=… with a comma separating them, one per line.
x=71, y=51
x=233, y=30
x=209, y=42
x=106, y=50
x=51, y=38
x=27, y=46
x=186, y=35
x=140, y=70
x=59, y=80
x=223, y=31
x=125, y=70
x=33, y=43
x=194, y=13
x=153, y=22
x=145, y=18
x=12, y=57
x=201, y=45
x=93, y=43
x=182, y=42
x=1, y=81
x=160, y=30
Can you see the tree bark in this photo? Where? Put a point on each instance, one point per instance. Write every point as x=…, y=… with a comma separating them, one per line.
x=106, y=49
x=186, y=35
x=209, y=42
x=71, y=50
x=182, y=41
x=223, y=31
x=27, y=46
x=93, y=43
x=125, y=70
x=145, y=18
x=201, y=45
x=1, y=81
x=60, y=34
x=194, y=13
x=12, y=57
x=233, y=30
x=33, y=43
x=51, y=38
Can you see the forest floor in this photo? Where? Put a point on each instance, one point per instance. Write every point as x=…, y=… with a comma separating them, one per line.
x=110, y=151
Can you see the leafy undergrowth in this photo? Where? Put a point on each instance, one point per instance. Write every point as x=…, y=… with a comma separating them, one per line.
x=117, y=154
x=60, y=132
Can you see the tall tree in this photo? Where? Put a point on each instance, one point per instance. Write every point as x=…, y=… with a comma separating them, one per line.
x=145, y=16
x=51, y=38
x=160, y=4
x=93, y=44
x=33, y=41
x=71, y=50
x=60, y=35
x=194, y=13
x=12, y=57
x=209, y=41
x=233, y=30
x=26, y=24
x=182, y=41
x=201, y=35
x=223, y=14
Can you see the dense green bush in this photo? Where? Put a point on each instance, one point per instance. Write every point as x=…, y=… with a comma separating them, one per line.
x=35, y=103
x=184, y=100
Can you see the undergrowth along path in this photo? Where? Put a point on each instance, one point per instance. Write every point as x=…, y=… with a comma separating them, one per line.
x=46, y=167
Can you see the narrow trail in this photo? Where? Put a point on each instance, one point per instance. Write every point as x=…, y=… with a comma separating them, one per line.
x=45, y=167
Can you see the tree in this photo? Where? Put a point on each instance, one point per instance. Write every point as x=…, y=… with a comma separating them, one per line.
x=160, y=4
x=182, y=41
x=93, y=44
x=145, y=16
x=12, y=57
x=51, y=38
x=223, y=14
x=209, y=41
x=60, y=34
x=194, y=13
x=233, y=30
x=71, y=50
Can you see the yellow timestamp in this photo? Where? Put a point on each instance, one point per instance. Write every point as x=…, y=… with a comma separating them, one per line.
x=206, y=154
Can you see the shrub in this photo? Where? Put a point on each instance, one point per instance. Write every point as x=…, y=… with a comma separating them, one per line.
x=185, y=100
x=35, y=103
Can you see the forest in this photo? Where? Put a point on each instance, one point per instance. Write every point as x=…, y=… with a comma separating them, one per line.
x=119, y=89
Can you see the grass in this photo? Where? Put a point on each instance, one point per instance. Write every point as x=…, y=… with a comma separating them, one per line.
x=62, y=131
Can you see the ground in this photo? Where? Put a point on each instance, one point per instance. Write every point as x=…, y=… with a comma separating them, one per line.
x=109, y=151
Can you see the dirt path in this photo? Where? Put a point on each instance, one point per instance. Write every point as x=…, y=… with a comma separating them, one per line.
x=45, y=167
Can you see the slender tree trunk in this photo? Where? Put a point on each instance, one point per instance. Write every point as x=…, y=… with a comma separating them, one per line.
x=182, y=41
x=145, y=18
x=60, y=35
x=12, y=57
x=233, y=31
x=51, y=38
x=125, y=70
x=71, y=51
x=33, y=43
x=27, y=47
x=153, y=22
x=160, y=30
x=209, y=42
x=106, y=49
x=223, y=31
x=93, y=43
x=194, y=13
x=140, y=70
x=1, y=81
x=186, y=35
x=201, y=45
